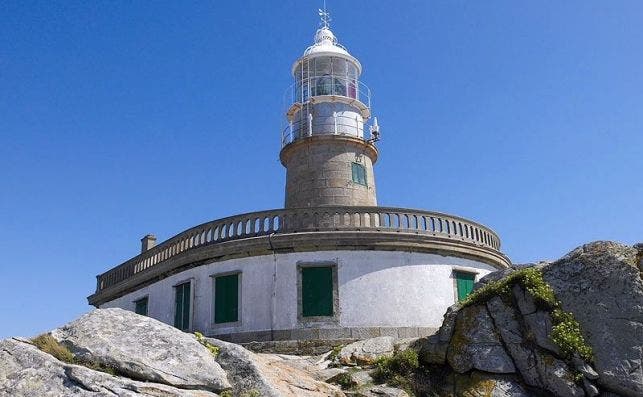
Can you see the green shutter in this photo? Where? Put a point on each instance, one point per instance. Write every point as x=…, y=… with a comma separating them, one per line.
x=464, y=282
x=141, y=307
x=182, y=307
x=226, y=299
x=317, y=291
x=359, y=173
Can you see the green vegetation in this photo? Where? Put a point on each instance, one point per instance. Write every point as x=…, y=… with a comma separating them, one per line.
x=345, y=380
x=533, y=281
x=566, y=331
x=212, y=348
x=398, y=369
x=335, y=352
x=530, y=278
x=49, y=345
x=226, y=393
x=567, y=335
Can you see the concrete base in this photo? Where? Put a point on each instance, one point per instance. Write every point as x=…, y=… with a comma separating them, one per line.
x=348, y=333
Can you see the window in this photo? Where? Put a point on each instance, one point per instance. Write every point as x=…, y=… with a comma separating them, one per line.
x=182, y=306
x=464, y=284
x=317, y=291
x=226, y=299
x=359, y=173
x=140, y=306
x=324, y=85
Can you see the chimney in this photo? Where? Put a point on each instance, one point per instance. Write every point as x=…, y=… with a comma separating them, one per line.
x=148, y=242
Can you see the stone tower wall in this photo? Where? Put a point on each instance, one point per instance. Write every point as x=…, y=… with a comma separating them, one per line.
x=319, y=171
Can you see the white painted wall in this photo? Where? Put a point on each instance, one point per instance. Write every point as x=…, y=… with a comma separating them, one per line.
x=376, y=289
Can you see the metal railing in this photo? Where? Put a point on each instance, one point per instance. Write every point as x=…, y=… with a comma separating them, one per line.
x=301, y=220
x=338, y=125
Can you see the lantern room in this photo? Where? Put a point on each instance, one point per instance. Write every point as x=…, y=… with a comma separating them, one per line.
x=327, y=96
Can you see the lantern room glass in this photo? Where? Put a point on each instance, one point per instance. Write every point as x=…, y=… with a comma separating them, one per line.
x=325, y=75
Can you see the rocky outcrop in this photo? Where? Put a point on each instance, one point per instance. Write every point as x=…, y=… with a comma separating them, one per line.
x=577, y=333
x=269, y=375
x=113, y=352
x=366, y=352
x=25, y=371
x=601, y=284
x=569, y=328
x=142, y=348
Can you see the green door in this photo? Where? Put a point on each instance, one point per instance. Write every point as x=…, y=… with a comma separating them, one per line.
x=317, y=291
x=226, y=299
x=182, y=307
x=464, y=282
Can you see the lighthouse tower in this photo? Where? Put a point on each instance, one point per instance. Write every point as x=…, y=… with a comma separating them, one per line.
x=328, y=157
x=332, y=264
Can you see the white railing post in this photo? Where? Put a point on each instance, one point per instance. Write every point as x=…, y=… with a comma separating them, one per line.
x=310, y=124
x=335, y=121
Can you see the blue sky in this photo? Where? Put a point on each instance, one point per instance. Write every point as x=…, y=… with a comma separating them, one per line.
x=123, y=118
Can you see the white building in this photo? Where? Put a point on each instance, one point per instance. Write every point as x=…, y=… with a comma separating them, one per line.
x=331, y=264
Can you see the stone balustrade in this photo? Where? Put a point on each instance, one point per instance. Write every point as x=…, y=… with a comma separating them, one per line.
x=432, y=225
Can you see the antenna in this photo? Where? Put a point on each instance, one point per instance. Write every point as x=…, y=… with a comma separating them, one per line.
x=325, y=16
x=375, y=131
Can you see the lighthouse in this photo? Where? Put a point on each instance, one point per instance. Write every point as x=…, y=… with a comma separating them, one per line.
x=331, y=264
x=327, y=153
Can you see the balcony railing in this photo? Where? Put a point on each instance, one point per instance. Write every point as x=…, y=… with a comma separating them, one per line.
x=334, y=125
x=301, y=220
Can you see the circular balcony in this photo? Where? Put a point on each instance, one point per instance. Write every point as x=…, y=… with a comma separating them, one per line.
x=304, y=229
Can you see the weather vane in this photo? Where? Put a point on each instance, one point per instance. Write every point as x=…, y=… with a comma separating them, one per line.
x=325, y=16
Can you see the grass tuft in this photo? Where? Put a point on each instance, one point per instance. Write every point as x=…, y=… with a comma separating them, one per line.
x=214, y=350
x=397, y=370
x=49, y=345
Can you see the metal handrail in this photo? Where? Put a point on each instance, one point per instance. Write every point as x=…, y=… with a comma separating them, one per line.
x=320, y=219
x=338, y=127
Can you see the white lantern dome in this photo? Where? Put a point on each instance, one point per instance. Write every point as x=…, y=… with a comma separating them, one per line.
x=326, y=42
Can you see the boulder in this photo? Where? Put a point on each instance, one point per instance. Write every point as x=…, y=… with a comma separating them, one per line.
x=26, y=371
x=244, y=369
x=601, y=284
x=476, y=345
x=142, y=348
x=432, y=350
x=493, y=276
x=292, y=381
x=366, y=351
x=507, y=321
x=278, y=375
x=478, y=384
x=556, y=377
x=539, y=327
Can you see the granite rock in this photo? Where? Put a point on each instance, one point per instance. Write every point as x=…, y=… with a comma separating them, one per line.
x=476, y=345
x=601, y=284
x=26, y=371
x=142, y=348
x=366, y=351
